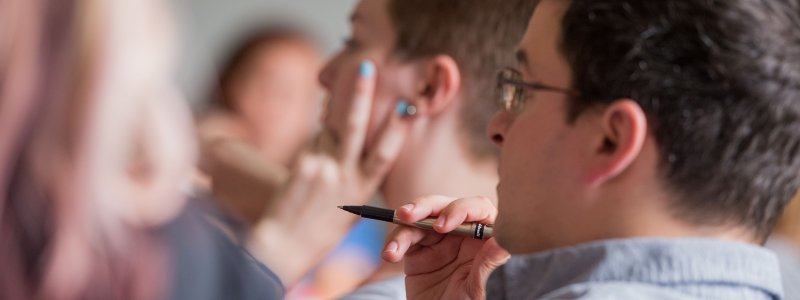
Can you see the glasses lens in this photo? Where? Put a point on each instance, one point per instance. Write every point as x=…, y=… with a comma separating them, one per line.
x=509, y=91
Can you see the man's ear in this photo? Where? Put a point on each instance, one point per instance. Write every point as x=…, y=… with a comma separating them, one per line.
x=439, y=87
x=622, y=133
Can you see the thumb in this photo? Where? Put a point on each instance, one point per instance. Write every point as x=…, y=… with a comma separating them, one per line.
x=490, y=257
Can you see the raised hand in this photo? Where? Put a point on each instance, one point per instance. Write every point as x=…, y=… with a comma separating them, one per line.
x=301, y=223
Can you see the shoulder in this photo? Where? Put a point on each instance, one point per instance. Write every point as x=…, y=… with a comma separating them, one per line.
x=616, y=290
x=789, y=258
x=206, y=264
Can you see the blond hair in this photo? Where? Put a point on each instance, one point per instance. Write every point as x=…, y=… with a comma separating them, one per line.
x=94, y=151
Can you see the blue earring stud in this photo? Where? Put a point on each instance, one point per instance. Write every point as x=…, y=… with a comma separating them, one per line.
x=405, y=109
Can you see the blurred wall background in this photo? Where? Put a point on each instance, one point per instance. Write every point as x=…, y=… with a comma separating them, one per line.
x=207, y=27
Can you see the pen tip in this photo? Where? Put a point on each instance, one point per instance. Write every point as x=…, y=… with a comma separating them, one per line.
x=341, y=207
x=352, y=209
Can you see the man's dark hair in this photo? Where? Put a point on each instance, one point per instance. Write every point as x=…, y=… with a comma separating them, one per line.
x=480, y=35
x=720, y=83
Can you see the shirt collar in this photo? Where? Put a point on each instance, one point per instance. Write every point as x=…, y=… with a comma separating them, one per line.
x=663, y=262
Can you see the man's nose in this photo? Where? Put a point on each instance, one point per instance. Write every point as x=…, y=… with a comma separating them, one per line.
x=326, y=75
x=498, y=126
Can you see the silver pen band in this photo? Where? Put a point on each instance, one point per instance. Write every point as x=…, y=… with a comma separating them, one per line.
x=475, y=230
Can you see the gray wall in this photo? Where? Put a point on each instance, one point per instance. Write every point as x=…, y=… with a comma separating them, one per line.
x=208, y=26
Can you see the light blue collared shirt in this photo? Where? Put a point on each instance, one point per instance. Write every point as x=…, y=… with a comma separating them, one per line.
x=641, y=269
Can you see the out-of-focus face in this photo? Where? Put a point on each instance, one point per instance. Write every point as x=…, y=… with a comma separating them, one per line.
x=540, y=184
x=139, y=151
x=277, y=94
x=372, y=38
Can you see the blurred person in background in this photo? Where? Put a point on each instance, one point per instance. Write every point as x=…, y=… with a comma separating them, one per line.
x=267, y=94
x=268, y=99
x=290, y=215
x=785, y=241
x=265, y=102
x=96, y=157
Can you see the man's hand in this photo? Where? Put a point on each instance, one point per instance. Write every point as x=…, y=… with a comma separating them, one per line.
x=442, y=266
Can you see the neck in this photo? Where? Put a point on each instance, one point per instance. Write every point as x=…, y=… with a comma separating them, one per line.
x=440, y=167
x=642, y=210
x=436, y=160
x=436, y=164
x=636, y=204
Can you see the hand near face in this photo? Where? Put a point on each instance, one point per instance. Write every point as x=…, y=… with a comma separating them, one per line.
x=439, y=266
x=302, y=223
x=240, y=176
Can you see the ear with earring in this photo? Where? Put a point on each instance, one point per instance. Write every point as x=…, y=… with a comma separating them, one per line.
x=405, y=109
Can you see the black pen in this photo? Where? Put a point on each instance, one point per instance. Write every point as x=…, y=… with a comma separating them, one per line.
x=475, y=230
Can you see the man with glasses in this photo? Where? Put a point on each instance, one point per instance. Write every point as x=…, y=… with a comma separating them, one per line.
x=647, y=149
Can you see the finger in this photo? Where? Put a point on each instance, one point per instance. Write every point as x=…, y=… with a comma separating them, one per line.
x=382, y=155
x=300, y=184
x=322, y=195
x=445, y=256
x=475, y=209
x=490, y=257
x=403, y=238
x=357, y=121
x=423, y=207
x=325, y=142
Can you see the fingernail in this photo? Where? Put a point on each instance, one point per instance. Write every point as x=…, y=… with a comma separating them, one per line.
x=392, y=247
x=404, y=109
x=440, y=222
x=367, y=69
x=408, y=207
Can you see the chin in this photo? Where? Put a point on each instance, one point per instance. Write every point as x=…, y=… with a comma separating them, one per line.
x=511, y=245
x=504, y=240
x=515, y=242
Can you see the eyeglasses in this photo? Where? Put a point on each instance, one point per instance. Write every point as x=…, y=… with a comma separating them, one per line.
x=511, y=90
